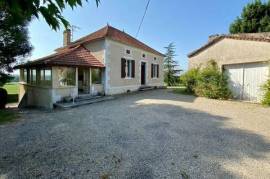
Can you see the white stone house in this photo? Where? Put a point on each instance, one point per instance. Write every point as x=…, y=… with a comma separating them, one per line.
x=108, y=61
x=245, y=58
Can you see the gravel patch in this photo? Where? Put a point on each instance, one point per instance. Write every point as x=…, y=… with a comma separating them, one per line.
x=154, y=134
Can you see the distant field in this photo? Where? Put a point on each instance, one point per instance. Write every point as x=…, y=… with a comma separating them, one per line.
x=13, y=91
x=12, y=88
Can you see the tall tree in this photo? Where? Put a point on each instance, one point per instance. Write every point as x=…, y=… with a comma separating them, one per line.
x=51, y=10
x=255, y=17
x=14, y=43
x=170, y=66
x=14, y=18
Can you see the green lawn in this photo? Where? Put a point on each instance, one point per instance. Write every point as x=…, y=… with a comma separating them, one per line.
x=7, y=116
x=13, y=90
x=179, y=90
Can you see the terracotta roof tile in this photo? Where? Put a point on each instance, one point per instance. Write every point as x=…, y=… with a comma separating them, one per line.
x=114, y=34
x=76, y=56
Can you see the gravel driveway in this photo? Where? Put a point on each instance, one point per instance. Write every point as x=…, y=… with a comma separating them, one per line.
x=155, y=134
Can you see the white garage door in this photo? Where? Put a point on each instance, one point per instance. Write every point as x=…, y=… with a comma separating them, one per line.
x=246, y=80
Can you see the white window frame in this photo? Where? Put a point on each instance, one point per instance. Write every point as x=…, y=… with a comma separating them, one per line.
x=155, y=70
x=129, y=60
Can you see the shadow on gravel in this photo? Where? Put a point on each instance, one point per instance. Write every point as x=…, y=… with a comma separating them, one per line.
x=149, y=135
x=204, y=142
x=144, y=94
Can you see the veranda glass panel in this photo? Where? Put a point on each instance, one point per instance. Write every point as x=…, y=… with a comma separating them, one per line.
x=46, y=77
x=24, y=78
x=96, y=75
x=33, y=76
x=66, y=76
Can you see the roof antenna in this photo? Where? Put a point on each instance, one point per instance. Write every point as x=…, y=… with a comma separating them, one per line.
x=73, y=29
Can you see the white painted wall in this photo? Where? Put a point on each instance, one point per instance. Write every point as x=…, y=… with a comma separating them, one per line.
x=232, y=51
x=114, y=84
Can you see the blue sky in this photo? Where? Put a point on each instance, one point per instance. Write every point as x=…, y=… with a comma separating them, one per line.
x=186, y=23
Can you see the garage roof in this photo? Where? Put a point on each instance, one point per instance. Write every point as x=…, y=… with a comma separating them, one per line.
x=261, y=37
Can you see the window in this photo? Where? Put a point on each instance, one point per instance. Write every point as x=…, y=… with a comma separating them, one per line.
x=154, y=70
x=33, y=76
x=96, y=75
x=128, y=51
x=45, y=77
x=155, y=58
x=143, y=55
x=127, y=68
x=66, y=76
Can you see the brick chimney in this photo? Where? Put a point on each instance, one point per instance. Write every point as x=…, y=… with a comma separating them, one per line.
x=67, y=37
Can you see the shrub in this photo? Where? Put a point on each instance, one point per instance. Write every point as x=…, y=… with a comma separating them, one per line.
x=3, y=98
x=208, y=82
x=266, y=97
x=174, y=80
x=189, y=80
x=212, y=83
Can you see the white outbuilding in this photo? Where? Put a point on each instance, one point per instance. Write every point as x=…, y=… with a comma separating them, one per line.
x=245, y=58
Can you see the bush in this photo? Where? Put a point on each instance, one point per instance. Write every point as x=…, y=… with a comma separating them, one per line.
x=189, y=80
x=212, y=83
x=208, y=82
x=174, y=80
x=266, y=97
x=3, y=98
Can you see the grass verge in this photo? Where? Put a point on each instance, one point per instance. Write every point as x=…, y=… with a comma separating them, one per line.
x=179, y=90
x=13, y=90
x=7, y=116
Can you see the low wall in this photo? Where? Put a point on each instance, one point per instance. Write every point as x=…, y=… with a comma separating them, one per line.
x=59, y=93
x=121, y=89
x=131, y=88
x=97, y=89
x=30, y=95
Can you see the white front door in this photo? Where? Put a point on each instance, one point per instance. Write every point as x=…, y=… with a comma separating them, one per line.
x=246, y=80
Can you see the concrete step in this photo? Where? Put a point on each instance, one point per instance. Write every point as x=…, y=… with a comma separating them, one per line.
x=66, y=105
x=88, y=97
x=145, y=88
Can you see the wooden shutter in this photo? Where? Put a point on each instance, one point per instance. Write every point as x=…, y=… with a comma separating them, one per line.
x=152, y=70
x=133, y=68
x=123, y=68
x=158, y=71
